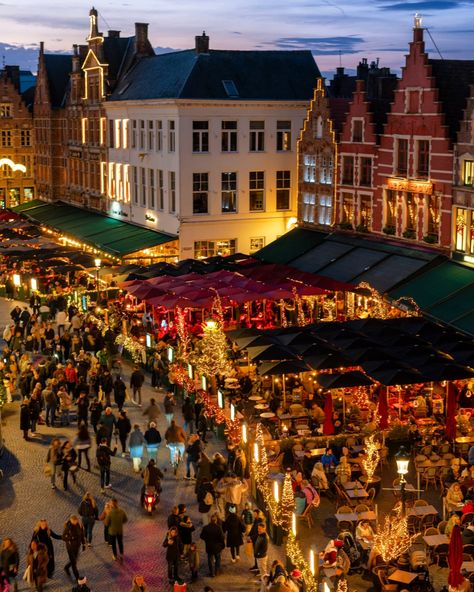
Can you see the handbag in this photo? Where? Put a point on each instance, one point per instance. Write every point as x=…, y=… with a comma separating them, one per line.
x=47, y=470
x=73, y=468
x=28, y=575
x=208, y=499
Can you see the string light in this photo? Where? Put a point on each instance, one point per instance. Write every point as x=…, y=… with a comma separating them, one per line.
x=392, y=539
x=296, y=557
x=287, y=505
x=134, y=348
x=183, y=334
x=372, y=457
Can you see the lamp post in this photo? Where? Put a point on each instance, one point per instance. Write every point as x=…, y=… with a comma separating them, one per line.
x=97, y=270
x=402, y=459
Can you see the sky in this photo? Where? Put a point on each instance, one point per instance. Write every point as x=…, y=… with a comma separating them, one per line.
x=338, y=32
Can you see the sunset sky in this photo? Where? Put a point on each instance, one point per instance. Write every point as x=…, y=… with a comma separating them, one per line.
x=353, y=28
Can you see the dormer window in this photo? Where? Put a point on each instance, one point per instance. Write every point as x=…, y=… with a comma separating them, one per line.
x=357, y=130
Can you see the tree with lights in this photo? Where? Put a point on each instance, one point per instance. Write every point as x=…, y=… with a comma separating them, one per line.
x=372, y=458
x=392, y=538
x=287, y=503
x=210, y=357
x=183, y=334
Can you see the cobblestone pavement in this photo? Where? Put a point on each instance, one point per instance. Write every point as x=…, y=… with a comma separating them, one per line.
x=26, y=496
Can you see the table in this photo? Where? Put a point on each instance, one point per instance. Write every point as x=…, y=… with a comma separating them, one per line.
x=261, y=406
x=408, y=487
x=357, y=493
x=255, y=398
x=267, y=414
x=433, y=540
x=423, y=510
x=352, y=485
x=467, y=566
x=442, y=462
x=465, y=439
x=404, y=577
x=354, y=517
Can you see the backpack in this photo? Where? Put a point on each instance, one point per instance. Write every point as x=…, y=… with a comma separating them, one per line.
x=102, y=456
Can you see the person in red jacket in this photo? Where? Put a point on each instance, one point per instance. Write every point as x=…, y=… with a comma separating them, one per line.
x=70, y=374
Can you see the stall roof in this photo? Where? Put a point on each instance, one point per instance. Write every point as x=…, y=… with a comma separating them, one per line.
x=108, y=234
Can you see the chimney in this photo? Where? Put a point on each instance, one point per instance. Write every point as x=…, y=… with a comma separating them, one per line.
x=417, y=29
x=41, y=47
x=113, y=34
x=13, y=73
x=75, y=58
x=202, y=43
x=142, y=45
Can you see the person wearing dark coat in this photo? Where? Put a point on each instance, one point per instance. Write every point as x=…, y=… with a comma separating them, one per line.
x=37, y=561
x=45, y=535
x=25, y=421
x=234, y=529
x=137, y=378
x=124, y=427
x=96, y=410
x=174, y=550
x=107, y=384
x=82, y=408
x=213, y=536
x=218, y=466
x=9, y=561
x=73, y=536
x=204, y=508
x=120, y=392
x=204, y=470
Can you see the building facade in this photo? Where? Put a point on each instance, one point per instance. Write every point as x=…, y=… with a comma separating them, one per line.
x=208, y=149
x=17, y=182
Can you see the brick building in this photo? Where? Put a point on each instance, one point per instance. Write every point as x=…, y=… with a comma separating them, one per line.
x=16, y=137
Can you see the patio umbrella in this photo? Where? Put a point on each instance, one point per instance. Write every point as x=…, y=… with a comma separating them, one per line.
x=326, y=360
x=264, y=353
x=451, y=400
x=398, y=376
x=455, y=579
x=343, y=379
x=328, y=426
x=447, y=372
x=253, y=340
x=383, y=407
x=284, y=367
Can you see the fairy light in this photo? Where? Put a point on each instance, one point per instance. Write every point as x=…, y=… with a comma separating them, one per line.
x=293, y=524
x=392, y=539
x=183, y=334
x=276, y=491
x=296, y=557
x=372, y=458
x=287, y=505
x=255, y=452
x=312, y=564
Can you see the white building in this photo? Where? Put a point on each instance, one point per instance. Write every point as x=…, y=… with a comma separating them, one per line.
x=202, y=144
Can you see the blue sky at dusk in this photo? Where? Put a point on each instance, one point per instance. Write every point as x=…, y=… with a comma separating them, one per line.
x=355, y=28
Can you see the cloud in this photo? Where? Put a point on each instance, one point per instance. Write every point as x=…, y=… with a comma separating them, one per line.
x=423, y=5
x=321, y=45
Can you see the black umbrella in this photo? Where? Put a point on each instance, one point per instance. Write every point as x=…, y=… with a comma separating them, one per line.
x=368, y=355
x=343, y=380
x=327, y=360
x=254, y=341
x=285, y=367
x=267, y=353
x=447, y=372
x=398, y=376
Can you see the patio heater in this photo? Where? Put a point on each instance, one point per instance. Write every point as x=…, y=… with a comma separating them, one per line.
x=97, y=263
x=402, y=459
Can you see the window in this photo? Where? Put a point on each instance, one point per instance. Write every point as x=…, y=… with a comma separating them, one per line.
x=229, y=192
x=423, y=158
x=229, y=136
x=413, y=101
x=365, y=212
x=171, y=136
x=151, y=135
x=6, y=137
x=151, y=189
x=25, y=138
x=159, y=135
x=5, y=110
x=325, y=176
x=200, y=136
x=256, y=190
x=134, y=133
x=309, y=206
x=256, y=243
x=161, y=191
x=134, y=184
x=309, y=171
x=211, y=248
x=410, y=212
x=468, y=172
x=402, y=157
x=325, y=209
x=142, y=186
x=141, y=136
x=283, y=136
x=257, y=136
x=117, y=133
x=319, y=127
x=365, y=171
x=391, y=209
x=200, y=192
x=464, y=237
x=125, y=132
x=357, y=130
x=283, y=186
x=347, y=214
x=172, y=191
x=432, y=203
x=348, y=170
x=230, y=89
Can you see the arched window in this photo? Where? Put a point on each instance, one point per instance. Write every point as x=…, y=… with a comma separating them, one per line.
x=319, y=127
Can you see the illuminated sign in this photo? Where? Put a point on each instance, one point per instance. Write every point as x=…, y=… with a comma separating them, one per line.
x=13, y=165
x=425, y=187
x=150, y=218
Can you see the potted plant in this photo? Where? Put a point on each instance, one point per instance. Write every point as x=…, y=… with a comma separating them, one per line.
x=431, y=239
x=362, y=228
x=389, y=229
x=409, y=233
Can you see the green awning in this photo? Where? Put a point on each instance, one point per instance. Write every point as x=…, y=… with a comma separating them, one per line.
x=27, y=205
x=291, y=245
x=102, y=232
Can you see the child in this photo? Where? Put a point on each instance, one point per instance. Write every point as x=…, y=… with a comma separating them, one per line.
x=194, y=560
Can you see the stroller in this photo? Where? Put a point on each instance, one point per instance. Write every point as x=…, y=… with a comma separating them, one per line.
x=353, y=551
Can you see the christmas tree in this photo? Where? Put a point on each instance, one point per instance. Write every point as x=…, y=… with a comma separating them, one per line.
x=287, y=503
x=210, y=357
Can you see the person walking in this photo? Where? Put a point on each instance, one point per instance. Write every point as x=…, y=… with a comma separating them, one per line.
x=65, y=405
x=103, y=456
x=105, y=512
x=114, y=521
x=213, y=537
x=260, y=550
x=205, y=499
x=138, y=584
x=234, y=529
x=124, y=427
x=9, y=562
x=50, y=402
x=25, y=422
x=175, y=440
x=89, y=513
x=34, y=406
x=120, y=393
x=54, y=459
x=137, y=378
x=69, y=465
x=73, y=536
x=95, y=410
x=106, y=383
x=82, y=408
x=152, y=411
x=82, y=444
x=193, y=452
x=108, y=420
x=258, y=518
x=188, y=415
x=81, y=585
x=168, y=403
x=37, y=565
x=153, y=440
x=43, y=534
x=174, y=550
x=136, y=444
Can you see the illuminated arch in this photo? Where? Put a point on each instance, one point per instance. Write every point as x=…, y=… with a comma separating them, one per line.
x=13, y=165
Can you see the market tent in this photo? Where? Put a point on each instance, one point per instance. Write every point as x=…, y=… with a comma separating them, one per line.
x=398, y=376
x=285, y=367
x=343, y=380
x=274, y=353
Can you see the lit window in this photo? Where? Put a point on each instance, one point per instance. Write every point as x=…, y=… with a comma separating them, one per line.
x=256, y=243
x=228, y=192
x=283, y=136
x=256, y=191
x=283, y=187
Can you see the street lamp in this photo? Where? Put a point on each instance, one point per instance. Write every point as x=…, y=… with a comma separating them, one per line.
x=97, y=263
x=402, y=459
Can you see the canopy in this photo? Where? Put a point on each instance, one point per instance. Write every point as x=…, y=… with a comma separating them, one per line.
x=285, y=367
x=344, y=379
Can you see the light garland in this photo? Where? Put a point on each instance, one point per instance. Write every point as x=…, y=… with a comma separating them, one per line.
x=134, y=348
x=284, y=321
x=392, y=538
x=287, y=503
x=295, y=555
x=301, y=320
x=360, y=397
x=372, y=458
x=182, y=330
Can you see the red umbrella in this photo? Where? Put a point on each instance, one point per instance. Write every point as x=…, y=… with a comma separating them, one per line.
x=383, y=408
x=455, y=579
x=328, y=426
x=451, y=411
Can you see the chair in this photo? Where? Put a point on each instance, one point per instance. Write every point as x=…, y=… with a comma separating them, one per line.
x=431, y=530
x=413, y=524
x=442, y=475
x=380, y=572
x=444, y=449
x=429, y=477
x=428, y=521
x=344, y=510
x=434, y=458
x=442, y=526
x=426, y=450
x=448, y=456
x=420, y=502
x=306, y=516
x=370, y=500
x=469, y=550
x=466, y=557
x=419, y=458
x=361, y=508
x=440, y=554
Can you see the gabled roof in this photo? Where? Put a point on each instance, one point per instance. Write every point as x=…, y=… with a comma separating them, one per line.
x=117, y=52
x=250, y=75
x=58, y=68
x=339, y=108
x=453, y=78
